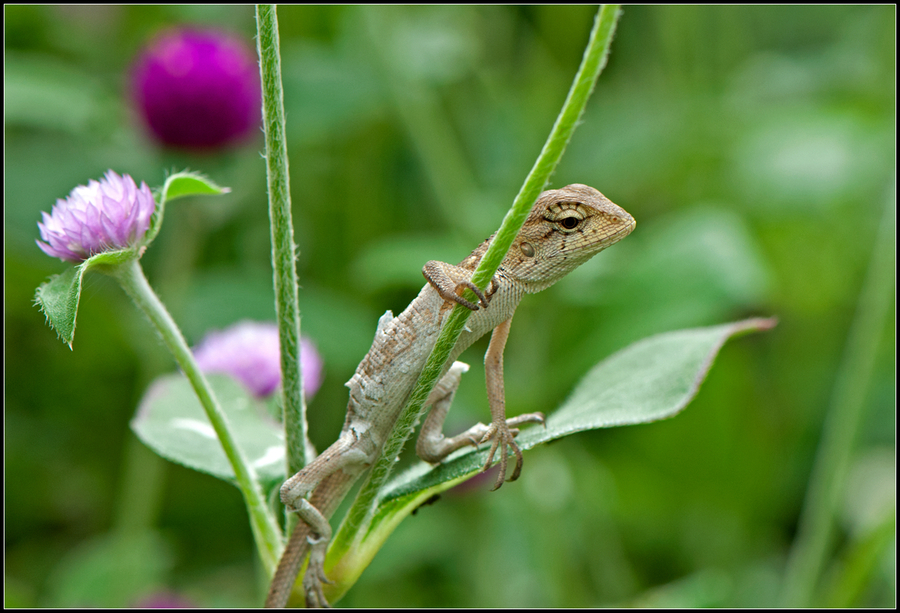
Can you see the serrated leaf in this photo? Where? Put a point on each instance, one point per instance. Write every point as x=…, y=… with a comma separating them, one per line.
x=171, y=421
x=650, y=380
x=59, y=296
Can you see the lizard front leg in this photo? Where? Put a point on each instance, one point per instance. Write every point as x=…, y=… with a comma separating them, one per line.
x=499, y=432
x=432, y=446
x=450, y=281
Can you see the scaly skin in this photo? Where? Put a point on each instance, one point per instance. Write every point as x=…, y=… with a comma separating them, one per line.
x=566, y=227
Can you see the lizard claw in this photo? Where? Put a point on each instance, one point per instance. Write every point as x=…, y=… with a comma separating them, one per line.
x=492, y=287
x=502, y=437
x=315, y=575
x=527, y=418
x=483, y=298
x=451, y=281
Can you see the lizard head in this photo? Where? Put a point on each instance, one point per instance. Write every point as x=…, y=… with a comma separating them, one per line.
x=566, y=228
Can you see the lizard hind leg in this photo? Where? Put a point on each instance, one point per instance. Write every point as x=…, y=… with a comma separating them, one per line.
x=314, y=493
x=432, y=446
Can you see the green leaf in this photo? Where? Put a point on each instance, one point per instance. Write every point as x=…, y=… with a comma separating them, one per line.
x=171, y=421
x=179, y=185
x=58, y=297
x=652, y=379
x=187, y=183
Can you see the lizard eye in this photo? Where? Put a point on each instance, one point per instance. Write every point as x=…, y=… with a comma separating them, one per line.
x=569, y=223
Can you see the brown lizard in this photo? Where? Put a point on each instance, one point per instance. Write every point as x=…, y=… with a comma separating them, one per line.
x=565, y=228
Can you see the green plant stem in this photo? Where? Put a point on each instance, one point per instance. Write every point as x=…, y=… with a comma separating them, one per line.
x=265, y=529
x=282, y=229
x=591, y=65
x=833, y=457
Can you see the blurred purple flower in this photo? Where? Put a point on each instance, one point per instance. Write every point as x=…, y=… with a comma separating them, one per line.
x=248, y=351
x=198, y=88
x=165, y=600
x=113, y=213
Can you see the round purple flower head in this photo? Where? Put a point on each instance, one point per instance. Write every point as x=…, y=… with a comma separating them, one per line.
x=249, y=352
x=113, y=213
x=198, y=89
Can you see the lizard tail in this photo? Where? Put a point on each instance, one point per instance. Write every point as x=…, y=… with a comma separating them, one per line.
x=326, y=497
x=288, y=567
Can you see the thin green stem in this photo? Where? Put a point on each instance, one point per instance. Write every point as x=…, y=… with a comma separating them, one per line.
x=592, y=64
x=265, y=529
x=282, y=229
x=833, y=457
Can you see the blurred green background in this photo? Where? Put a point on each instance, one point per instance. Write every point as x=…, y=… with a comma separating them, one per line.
x=754, y=145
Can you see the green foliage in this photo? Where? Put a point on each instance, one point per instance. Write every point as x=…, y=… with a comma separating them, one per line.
x=651, y=380
x=171, y=421
x=58, y=298
x=753, y=144
x=115, y=572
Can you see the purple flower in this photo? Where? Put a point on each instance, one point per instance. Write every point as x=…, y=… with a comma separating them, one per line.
x=113, y=213
x=165, y=600
x=198, y=89
x=249, y=352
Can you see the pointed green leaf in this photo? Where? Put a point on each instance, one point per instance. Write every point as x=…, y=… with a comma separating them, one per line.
x=650, y=380
x=179, y=185
x=58, y=298
x=187, y=183
x=171, y=421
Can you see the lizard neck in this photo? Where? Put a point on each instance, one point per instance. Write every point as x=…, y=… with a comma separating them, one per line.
x=502, y=307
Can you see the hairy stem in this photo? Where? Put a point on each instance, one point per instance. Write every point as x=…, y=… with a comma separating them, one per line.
x=591, y=65
x=282, y=231
x=265, y=529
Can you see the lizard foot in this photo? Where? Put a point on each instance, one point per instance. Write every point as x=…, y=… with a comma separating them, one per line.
x=484, y=298
x=315, y=575
x=451, y=281
x=502, y=436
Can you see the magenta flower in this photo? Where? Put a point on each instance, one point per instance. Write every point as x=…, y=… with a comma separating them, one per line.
x=198, y=89
x=113, y=213
x=165, y=600
x=249, y=352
